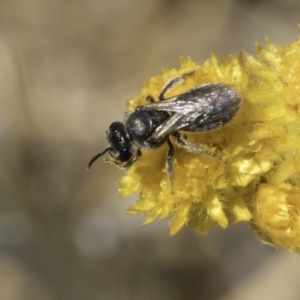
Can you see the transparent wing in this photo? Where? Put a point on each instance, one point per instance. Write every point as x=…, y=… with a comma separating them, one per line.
x=200, y=109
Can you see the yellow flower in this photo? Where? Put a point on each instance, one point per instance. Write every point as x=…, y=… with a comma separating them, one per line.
x=276, y=215
x=259, y=178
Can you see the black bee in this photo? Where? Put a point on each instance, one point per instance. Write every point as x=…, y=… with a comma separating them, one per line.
x=199, y=109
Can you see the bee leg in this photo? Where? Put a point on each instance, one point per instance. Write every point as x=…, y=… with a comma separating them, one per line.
x=169, y=85
x=150, y=99
x=181, y=140
x=130, y=162
x=169, y=163
x=172, y=83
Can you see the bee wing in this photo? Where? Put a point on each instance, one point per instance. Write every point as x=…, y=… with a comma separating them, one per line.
x=185, y=107
x=199, y=109
x=178, y=104
x=173, y=124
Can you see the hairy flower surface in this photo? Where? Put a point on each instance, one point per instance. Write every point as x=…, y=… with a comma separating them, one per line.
x=258, y=178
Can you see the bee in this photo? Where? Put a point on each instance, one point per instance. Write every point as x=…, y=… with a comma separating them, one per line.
x=200, y=109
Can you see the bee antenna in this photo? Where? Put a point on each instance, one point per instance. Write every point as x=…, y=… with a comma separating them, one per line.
x=96, y=157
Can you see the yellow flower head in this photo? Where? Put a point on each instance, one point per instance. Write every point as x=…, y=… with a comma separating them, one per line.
x=258, y=178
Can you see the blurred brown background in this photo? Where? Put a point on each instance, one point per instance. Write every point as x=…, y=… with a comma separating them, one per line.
x=67, y=69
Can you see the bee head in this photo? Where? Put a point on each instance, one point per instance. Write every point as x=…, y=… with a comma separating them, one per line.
x=121, y=147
